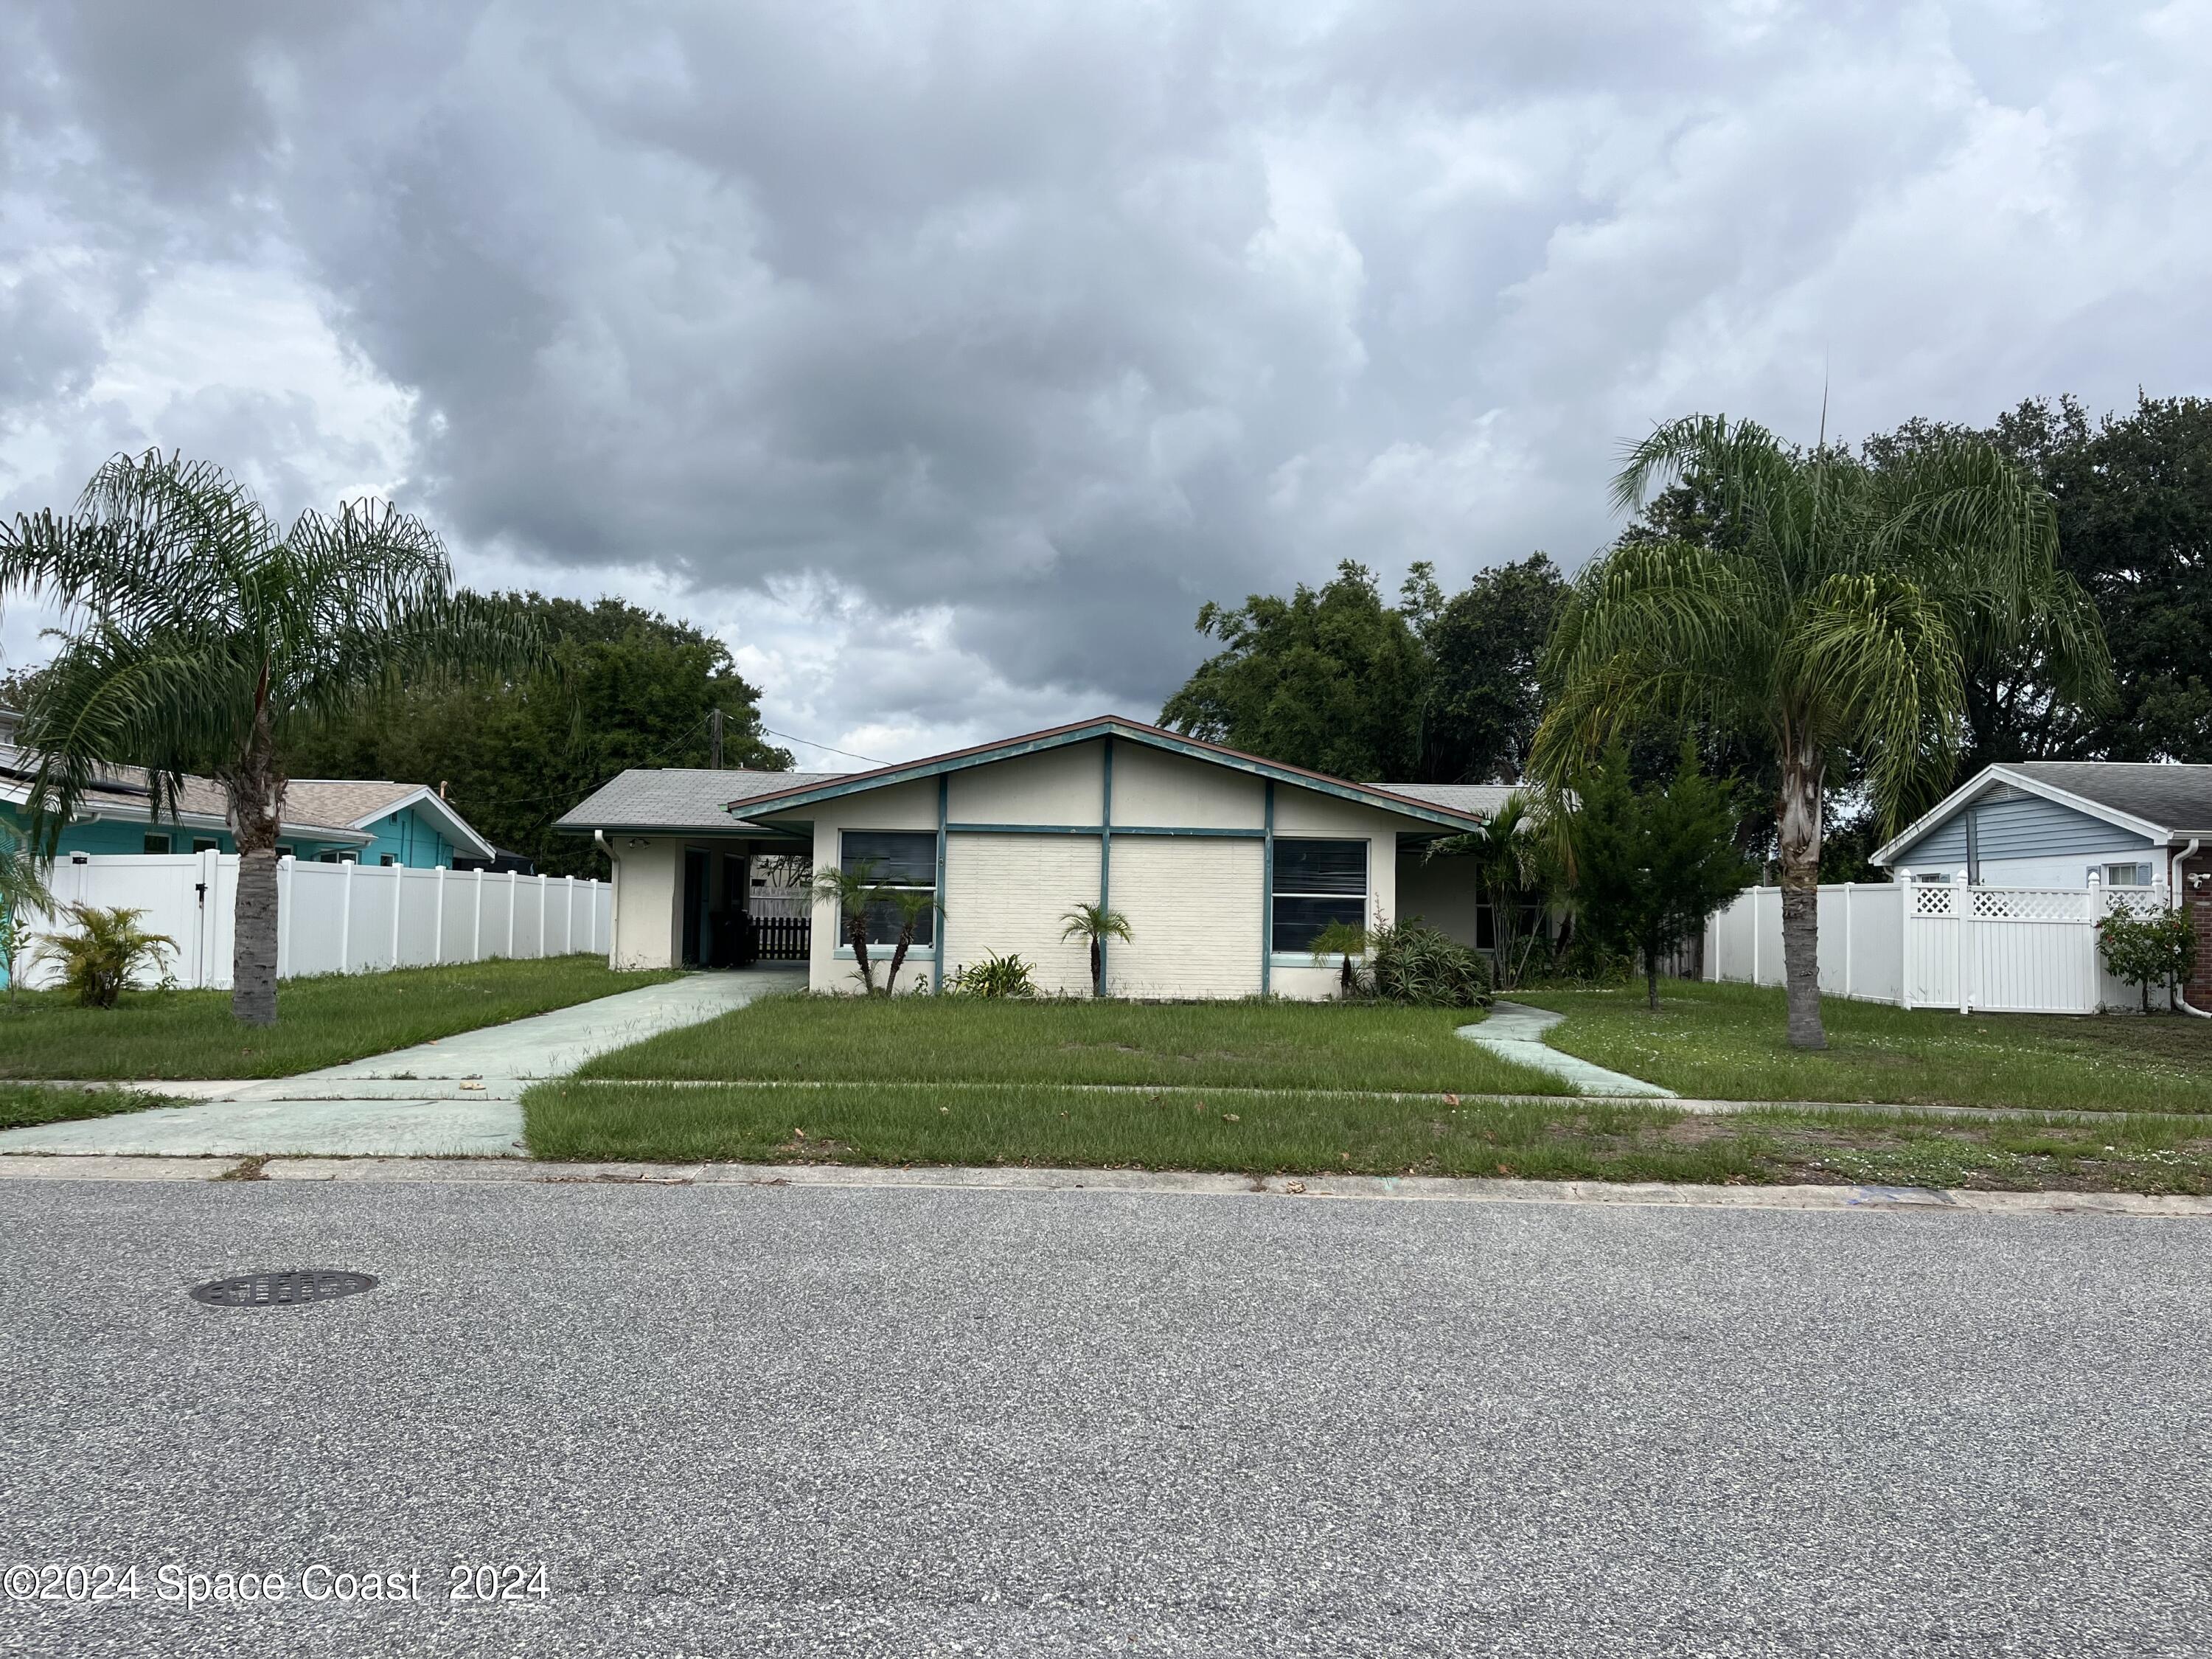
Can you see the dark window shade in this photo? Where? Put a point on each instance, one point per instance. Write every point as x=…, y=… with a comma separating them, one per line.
x=901, y=858
x=884, y=925
x=1321, y=866
x=1299, y=921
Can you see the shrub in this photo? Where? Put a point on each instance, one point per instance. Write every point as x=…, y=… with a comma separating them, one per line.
x=995, y=976
x=1412, y=962
x=104, y=953
x=2148, y=951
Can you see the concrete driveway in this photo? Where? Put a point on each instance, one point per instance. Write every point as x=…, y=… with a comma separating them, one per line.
x=787, y=1420
x=457, y=1097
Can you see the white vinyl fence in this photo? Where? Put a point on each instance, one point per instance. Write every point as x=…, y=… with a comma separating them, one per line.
x=336, y=918
x=1928, y=945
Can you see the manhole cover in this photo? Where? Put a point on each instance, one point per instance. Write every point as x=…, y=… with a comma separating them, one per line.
x=282, y=1290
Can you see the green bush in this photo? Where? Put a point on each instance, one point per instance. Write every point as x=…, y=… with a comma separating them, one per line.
x=2148, y=951
x=1411, y=962
x=995, y=976
x=105, y=954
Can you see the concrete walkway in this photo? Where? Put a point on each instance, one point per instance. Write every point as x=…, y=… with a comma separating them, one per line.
x=456, y=1096
x=1515, y=1031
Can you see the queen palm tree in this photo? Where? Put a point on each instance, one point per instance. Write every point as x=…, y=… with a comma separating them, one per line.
x=1833, y=612
x=195, y=637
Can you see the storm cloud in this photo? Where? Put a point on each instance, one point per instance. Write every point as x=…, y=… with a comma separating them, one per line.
x=944, y=357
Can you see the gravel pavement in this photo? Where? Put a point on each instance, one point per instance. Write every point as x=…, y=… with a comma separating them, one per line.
x=773, y=1419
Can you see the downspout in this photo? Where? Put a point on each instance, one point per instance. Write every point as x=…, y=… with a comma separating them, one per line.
x=614, y=895
x=2174, y=862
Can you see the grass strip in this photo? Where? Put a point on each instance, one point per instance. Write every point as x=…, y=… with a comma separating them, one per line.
x=22, y=1104
x=1318, y=1132
x=323, y=1021
x=1726, y=1043
x=828, y=1039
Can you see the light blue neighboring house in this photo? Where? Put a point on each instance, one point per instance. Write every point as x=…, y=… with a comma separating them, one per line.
x=336, y=820
x=2056, y=824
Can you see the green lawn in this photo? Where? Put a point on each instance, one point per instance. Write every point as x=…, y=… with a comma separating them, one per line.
x=25, y=1104
x=1262, y=1045
x=1726, y=1042
x=319, y=1021
x=1313, y=1133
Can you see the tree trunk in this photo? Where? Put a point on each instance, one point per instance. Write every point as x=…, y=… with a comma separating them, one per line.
x=856, y=929
x=255, y=792
x=1098, y=968
x=1651, y=980
x=898, y=958
x=1800, y=826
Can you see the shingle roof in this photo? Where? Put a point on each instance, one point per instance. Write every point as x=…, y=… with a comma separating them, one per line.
x=678, y=798
x=2178, y=798
x=122, y=792
x=1480, y=799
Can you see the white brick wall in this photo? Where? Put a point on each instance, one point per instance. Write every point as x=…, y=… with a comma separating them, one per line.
x=1192, y=905
x=1008, y=893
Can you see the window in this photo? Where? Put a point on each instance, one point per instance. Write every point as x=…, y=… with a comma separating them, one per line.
x=348, y=857
x=206, y=844
x=386, y=860
x=905, y=859
x=2127, y=875
x=157, y=843
x=1316, y=882
x=286, y=850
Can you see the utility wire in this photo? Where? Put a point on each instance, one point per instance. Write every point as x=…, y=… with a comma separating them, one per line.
x=811, y=744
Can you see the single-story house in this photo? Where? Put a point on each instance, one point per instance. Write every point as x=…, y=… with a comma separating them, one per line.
x=1225, y=864
x=336, y=820
x=2059, y=824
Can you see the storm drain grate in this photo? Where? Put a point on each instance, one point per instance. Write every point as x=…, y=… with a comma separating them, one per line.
x=282, y=1289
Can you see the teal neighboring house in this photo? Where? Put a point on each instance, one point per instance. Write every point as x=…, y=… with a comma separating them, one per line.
x=336, y=820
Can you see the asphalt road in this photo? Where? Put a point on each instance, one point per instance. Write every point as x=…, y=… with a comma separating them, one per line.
x=776, y=1420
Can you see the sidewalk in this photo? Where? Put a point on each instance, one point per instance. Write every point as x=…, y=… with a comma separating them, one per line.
x=460, y=1095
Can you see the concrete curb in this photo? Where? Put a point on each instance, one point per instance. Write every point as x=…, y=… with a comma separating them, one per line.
x=828, y=1176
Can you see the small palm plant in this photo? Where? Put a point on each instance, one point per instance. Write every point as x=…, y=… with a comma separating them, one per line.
x=1095, y=924
x=107, y=950
x=22, y=890
x=911, y=905
x=1343, y=939
x=852, y=891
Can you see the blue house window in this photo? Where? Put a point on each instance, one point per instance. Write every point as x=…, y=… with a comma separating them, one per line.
x=897, y=858
x=1316, y=882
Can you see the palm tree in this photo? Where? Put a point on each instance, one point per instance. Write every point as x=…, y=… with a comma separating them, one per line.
x=1095, y=924
x=195, y=637
x=1509, y=858
x=911, y=905
x=852, y=891
x=1833, y=613
x=1345, y=939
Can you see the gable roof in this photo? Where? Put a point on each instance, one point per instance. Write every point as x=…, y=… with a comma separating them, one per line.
x=2166, y=803
x=1385, y=796
x=122, y=795
x=677, y=797
x=355, y=802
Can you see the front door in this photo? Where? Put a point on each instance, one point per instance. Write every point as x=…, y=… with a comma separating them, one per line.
x=696, y=927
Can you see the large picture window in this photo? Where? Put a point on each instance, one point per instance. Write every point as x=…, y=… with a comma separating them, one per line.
x=895, y=857
x=1316, y=882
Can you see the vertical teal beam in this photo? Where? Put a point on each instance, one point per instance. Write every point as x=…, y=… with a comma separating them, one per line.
x=944, y=785
x=1105, y=846
x=1268, y=892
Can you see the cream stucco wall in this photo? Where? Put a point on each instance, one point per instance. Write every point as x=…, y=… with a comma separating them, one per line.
x=648, y=879
x=1442, y=894
x=1056, y=786
x=1008, y=893
x=1151, y=787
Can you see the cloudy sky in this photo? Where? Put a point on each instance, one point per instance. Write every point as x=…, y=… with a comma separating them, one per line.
x=944, y=357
